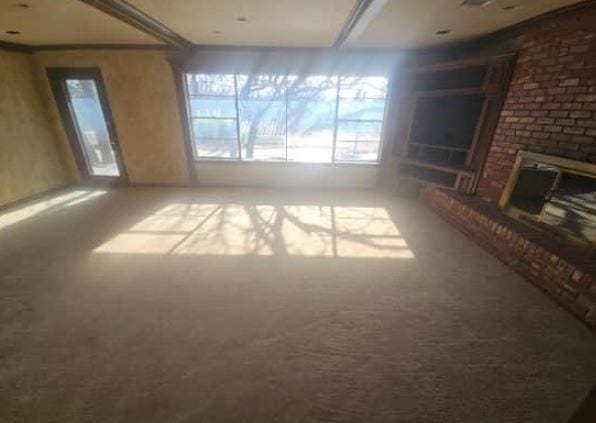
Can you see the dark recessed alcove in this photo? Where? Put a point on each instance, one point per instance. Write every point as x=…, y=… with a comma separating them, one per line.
x=443, y=128
x=450, y=79
x=455, y=107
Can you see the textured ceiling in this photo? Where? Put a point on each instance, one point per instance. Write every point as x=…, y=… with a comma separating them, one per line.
x=268, y=22
x=64, y=22
x=400, y=23
x=413, y=23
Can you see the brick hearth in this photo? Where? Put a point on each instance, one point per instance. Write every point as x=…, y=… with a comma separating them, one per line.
x=567, y=273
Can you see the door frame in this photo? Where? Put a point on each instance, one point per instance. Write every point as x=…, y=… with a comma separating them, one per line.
x=57, y=77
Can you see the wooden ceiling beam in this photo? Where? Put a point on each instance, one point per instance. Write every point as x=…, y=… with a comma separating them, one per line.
x=361, y=16
x=355, y=15
x=129, y=14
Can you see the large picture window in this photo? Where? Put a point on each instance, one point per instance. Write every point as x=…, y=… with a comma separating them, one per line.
x=272, y=117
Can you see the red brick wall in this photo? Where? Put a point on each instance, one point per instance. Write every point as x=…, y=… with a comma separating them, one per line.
x=550, y=107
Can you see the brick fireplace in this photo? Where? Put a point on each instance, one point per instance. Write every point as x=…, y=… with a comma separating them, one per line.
x=550, y=105
x=565, y=272
x=549, y=108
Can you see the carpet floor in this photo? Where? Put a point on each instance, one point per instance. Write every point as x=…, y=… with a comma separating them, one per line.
x=220, y=305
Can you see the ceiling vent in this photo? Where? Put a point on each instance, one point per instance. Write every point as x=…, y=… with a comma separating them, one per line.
x=475, y=3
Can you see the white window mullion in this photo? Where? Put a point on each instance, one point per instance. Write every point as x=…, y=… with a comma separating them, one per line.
x=336, y=119
x=237, y=118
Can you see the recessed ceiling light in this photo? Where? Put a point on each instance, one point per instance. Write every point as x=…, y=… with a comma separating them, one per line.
x=443, y=32
x=11, y=32
x=242, y=19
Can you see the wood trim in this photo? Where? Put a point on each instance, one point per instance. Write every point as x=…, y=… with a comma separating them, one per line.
x=414, y=103
x=450, y=92
x=519, y=28
x=490, y=125
x=330, y=51
x=574, y=166
x=56, y=77
x=129, y=14
x=464, y=63
x=476, y=139
x=156, y=185
x=424, y=182
x=237, y=162
x=442, y=168
x=355, y=15
x=291, y=49
x=57, y=91
x=493, y=95
x=508, y=189
x=567, y=164
x=440, y=147
x=185, y=122
x=20, y=48
x=443, y=48
x=121, y=9
x=32, y=49
x=55, y=47
x=104, y=103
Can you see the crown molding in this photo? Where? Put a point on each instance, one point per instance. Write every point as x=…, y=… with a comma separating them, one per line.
x=520, y=28
x=355, y=15
x=59, y=47
x=21, y=48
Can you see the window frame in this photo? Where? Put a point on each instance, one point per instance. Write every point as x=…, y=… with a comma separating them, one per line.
x=381, y=121
x=336, y=123
x=191, y=118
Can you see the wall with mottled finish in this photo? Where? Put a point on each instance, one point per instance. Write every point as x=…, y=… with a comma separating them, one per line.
x=30, y=160
x=287, y=174
x=142, y=97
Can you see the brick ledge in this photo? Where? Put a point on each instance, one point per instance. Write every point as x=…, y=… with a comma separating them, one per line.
x=565, y=273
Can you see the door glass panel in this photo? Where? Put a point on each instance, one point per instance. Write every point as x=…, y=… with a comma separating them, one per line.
x=90, y=122
x=215, y=138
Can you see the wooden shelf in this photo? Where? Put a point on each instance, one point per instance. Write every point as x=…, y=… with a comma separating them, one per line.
x=427, y=182
x=461, y=98
x=450, y=92
x=442, y=168
x=440, y=147
x=457, y=64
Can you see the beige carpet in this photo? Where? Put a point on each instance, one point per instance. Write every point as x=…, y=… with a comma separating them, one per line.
x=174, y=305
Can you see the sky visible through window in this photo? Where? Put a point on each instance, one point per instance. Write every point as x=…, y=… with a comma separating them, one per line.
x=271, y=117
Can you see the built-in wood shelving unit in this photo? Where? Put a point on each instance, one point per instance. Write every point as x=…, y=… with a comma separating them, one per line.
x=455, y=110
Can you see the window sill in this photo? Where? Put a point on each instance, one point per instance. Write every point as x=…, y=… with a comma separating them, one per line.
x=280, y=163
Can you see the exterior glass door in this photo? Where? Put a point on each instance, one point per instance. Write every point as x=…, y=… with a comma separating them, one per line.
x=81, y=100
x=92, y=130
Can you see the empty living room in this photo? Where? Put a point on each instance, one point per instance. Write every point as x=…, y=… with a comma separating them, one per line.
x=298, y=211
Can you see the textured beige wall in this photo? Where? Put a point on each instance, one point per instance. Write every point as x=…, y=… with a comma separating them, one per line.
x=30, y=161
x=287, y=175
x=142, y=97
